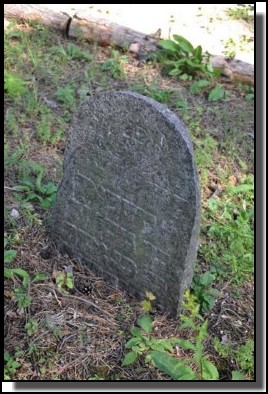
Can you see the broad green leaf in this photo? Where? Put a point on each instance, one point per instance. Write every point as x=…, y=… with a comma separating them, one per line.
x=172, y=367
x=241, y=188
x=39, y=180
x=32, y=196
x=175, y=71
x=132, y=342
x=207, y=278
x=203, y=331
x=69, y=280
x=236, y=375
x=209, y=371
x=215, y=292
x=40, y=277
x=9, y=255
x=15, y=364
x=5, y=242
x=216, y=93
x=129, y=358
x=184, y=44
x=9, y=273
x=161, y=345
x=198, y=86
x=145, y=322
x=184, y=77
x=50, y=188
x=183, y=343
x=136, y=332
x=22, y=188
x=210, y=300
x=27, y=182
x=158, y=347
x=169, y=45
x=198, y=53
x=146, y=305
x=7, y=356
x=210, y=68
x=166, y=344
x=48, y=202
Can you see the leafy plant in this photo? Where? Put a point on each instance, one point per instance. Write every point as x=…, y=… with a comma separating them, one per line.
x=65, y=95
x=230, y=48
x=198, y=366
x=72, y=52
x=203, y=290
x=147, y=303
x=243, y=355
x=114, y=65
x=11, y=366
x=45, y=129
x=45, y=194
x=64, y=279
x=180, y=58
x=178, y=369
x=9, y=255
x=31, y=327
x=232, y=231
x=13, y=85
x=154, y=91
x=142, y=342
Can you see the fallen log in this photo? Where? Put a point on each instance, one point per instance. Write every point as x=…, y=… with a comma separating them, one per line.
x=37, y=13
x=106, y=33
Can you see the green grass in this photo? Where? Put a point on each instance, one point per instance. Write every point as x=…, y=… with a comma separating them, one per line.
x=46, y=77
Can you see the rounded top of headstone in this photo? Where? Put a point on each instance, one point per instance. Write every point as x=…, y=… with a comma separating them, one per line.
x=116, y=104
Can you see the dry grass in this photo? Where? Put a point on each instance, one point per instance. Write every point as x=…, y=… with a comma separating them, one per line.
x=81, y=336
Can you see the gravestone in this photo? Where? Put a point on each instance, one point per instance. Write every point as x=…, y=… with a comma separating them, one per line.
x=129, y=204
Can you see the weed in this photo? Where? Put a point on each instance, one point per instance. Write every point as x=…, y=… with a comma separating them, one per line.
x=142, y=343
x=241, y=13
x=64, y=279
x=11, y=366
x=12, y=124
x=243, y=355
x=114, y=65
x=14, y=85
x=155, y=92
x=65, y=95
x=44, y=129
x=180, y=58
x=96, y=377
x=9, y=255
x=147, y=303
x=203, y=290
x=231, y=231
x=31, y=327
x=230, y=48
x=45, y=194
x=72, y=52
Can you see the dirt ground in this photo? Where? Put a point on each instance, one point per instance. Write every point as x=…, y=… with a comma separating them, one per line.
x=82, y=335
x=207, y=25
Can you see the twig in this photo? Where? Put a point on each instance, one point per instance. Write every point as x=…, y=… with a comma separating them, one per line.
x=89, y=303
x=12, y=188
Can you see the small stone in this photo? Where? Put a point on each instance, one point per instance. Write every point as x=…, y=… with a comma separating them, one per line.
x=15, y=214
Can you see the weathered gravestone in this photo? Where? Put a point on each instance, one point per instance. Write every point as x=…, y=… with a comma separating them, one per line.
x=129, y=204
